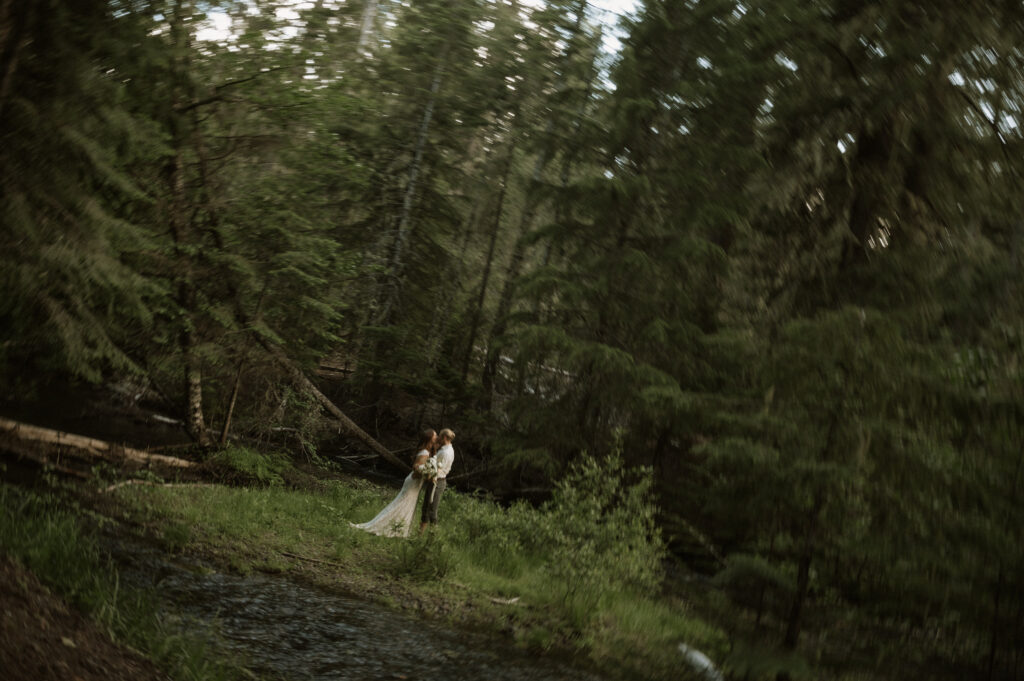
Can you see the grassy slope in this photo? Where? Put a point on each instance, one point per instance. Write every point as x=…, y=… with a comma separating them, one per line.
x=480, y=555
x=41, y=532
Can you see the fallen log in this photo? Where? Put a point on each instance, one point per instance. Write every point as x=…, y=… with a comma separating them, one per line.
x=350, y=427
x=90, y=447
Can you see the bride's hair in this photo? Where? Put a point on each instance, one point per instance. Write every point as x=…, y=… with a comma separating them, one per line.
x=427, y=441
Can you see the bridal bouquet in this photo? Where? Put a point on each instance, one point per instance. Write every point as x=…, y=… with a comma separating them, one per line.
x=429, y=469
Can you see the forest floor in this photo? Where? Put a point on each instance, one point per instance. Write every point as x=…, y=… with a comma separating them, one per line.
x=44, y=639
x=253, y=517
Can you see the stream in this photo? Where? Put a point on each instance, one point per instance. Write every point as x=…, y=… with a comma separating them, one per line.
x=287, y=629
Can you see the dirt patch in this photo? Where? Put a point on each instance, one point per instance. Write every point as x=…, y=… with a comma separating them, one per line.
x=42, y=639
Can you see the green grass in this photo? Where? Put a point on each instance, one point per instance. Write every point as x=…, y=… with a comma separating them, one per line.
x=578, y=583
x=45, y=535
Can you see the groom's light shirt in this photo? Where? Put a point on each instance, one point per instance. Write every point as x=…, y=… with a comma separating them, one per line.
x=445, y=459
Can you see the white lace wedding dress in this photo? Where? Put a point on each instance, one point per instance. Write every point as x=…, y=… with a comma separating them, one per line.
x=396, y=518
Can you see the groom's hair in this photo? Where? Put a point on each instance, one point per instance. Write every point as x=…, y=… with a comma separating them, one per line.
x=447, y=434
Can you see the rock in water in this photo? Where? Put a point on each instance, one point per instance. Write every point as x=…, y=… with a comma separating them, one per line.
x=701, y=663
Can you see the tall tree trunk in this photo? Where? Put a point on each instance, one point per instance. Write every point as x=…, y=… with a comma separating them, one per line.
x=231, y=405
x=511, y=277
x=181, y=232
x=499, y=209
x=366, y=30
x=394, y=273
x=194, y=422
x=760, y=597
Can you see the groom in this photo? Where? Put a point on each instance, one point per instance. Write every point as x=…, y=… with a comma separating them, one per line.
x=434, y=488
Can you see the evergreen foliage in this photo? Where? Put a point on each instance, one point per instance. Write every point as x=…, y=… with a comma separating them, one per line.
x=770, y=251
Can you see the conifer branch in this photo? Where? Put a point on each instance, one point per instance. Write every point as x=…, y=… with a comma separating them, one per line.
x=217, y=96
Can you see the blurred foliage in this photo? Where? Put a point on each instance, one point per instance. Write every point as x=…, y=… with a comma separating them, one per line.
x=771, y=251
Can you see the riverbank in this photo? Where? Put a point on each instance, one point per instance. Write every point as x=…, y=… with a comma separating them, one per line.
x=65, y=612
x=486, y=568
x=43, y=639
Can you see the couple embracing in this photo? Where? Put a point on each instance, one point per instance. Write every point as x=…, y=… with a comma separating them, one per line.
x=433, y=461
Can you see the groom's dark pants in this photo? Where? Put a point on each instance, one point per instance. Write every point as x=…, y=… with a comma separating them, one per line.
x=429, y=514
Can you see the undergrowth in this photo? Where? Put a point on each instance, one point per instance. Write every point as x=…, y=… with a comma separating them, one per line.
x=44, y=534
x=262, y=467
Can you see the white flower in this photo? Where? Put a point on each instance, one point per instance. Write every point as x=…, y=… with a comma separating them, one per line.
x=429, y=469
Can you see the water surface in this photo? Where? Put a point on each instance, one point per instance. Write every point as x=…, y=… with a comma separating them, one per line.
x=286, y=628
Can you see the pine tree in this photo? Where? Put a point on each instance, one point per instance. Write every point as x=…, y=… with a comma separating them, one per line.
x=622, y=338
x=69, y=294
x=869, y=214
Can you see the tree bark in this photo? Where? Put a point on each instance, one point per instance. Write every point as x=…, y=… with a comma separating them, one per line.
x=181, y=232
x=194, y=422
x=196, y=425
x=231, y=406
x=366, y=29
x=998, y=593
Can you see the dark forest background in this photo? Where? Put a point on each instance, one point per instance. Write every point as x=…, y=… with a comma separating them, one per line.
x=770, y=249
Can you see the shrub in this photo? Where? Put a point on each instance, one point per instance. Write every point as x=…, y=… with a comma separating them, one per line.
x=424, y=557
x=263, y=468
x=602, y=535
x=492, y=538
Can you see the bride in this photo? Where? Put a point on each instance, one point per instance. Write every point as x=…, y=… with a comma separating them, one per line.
x=396, y=518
